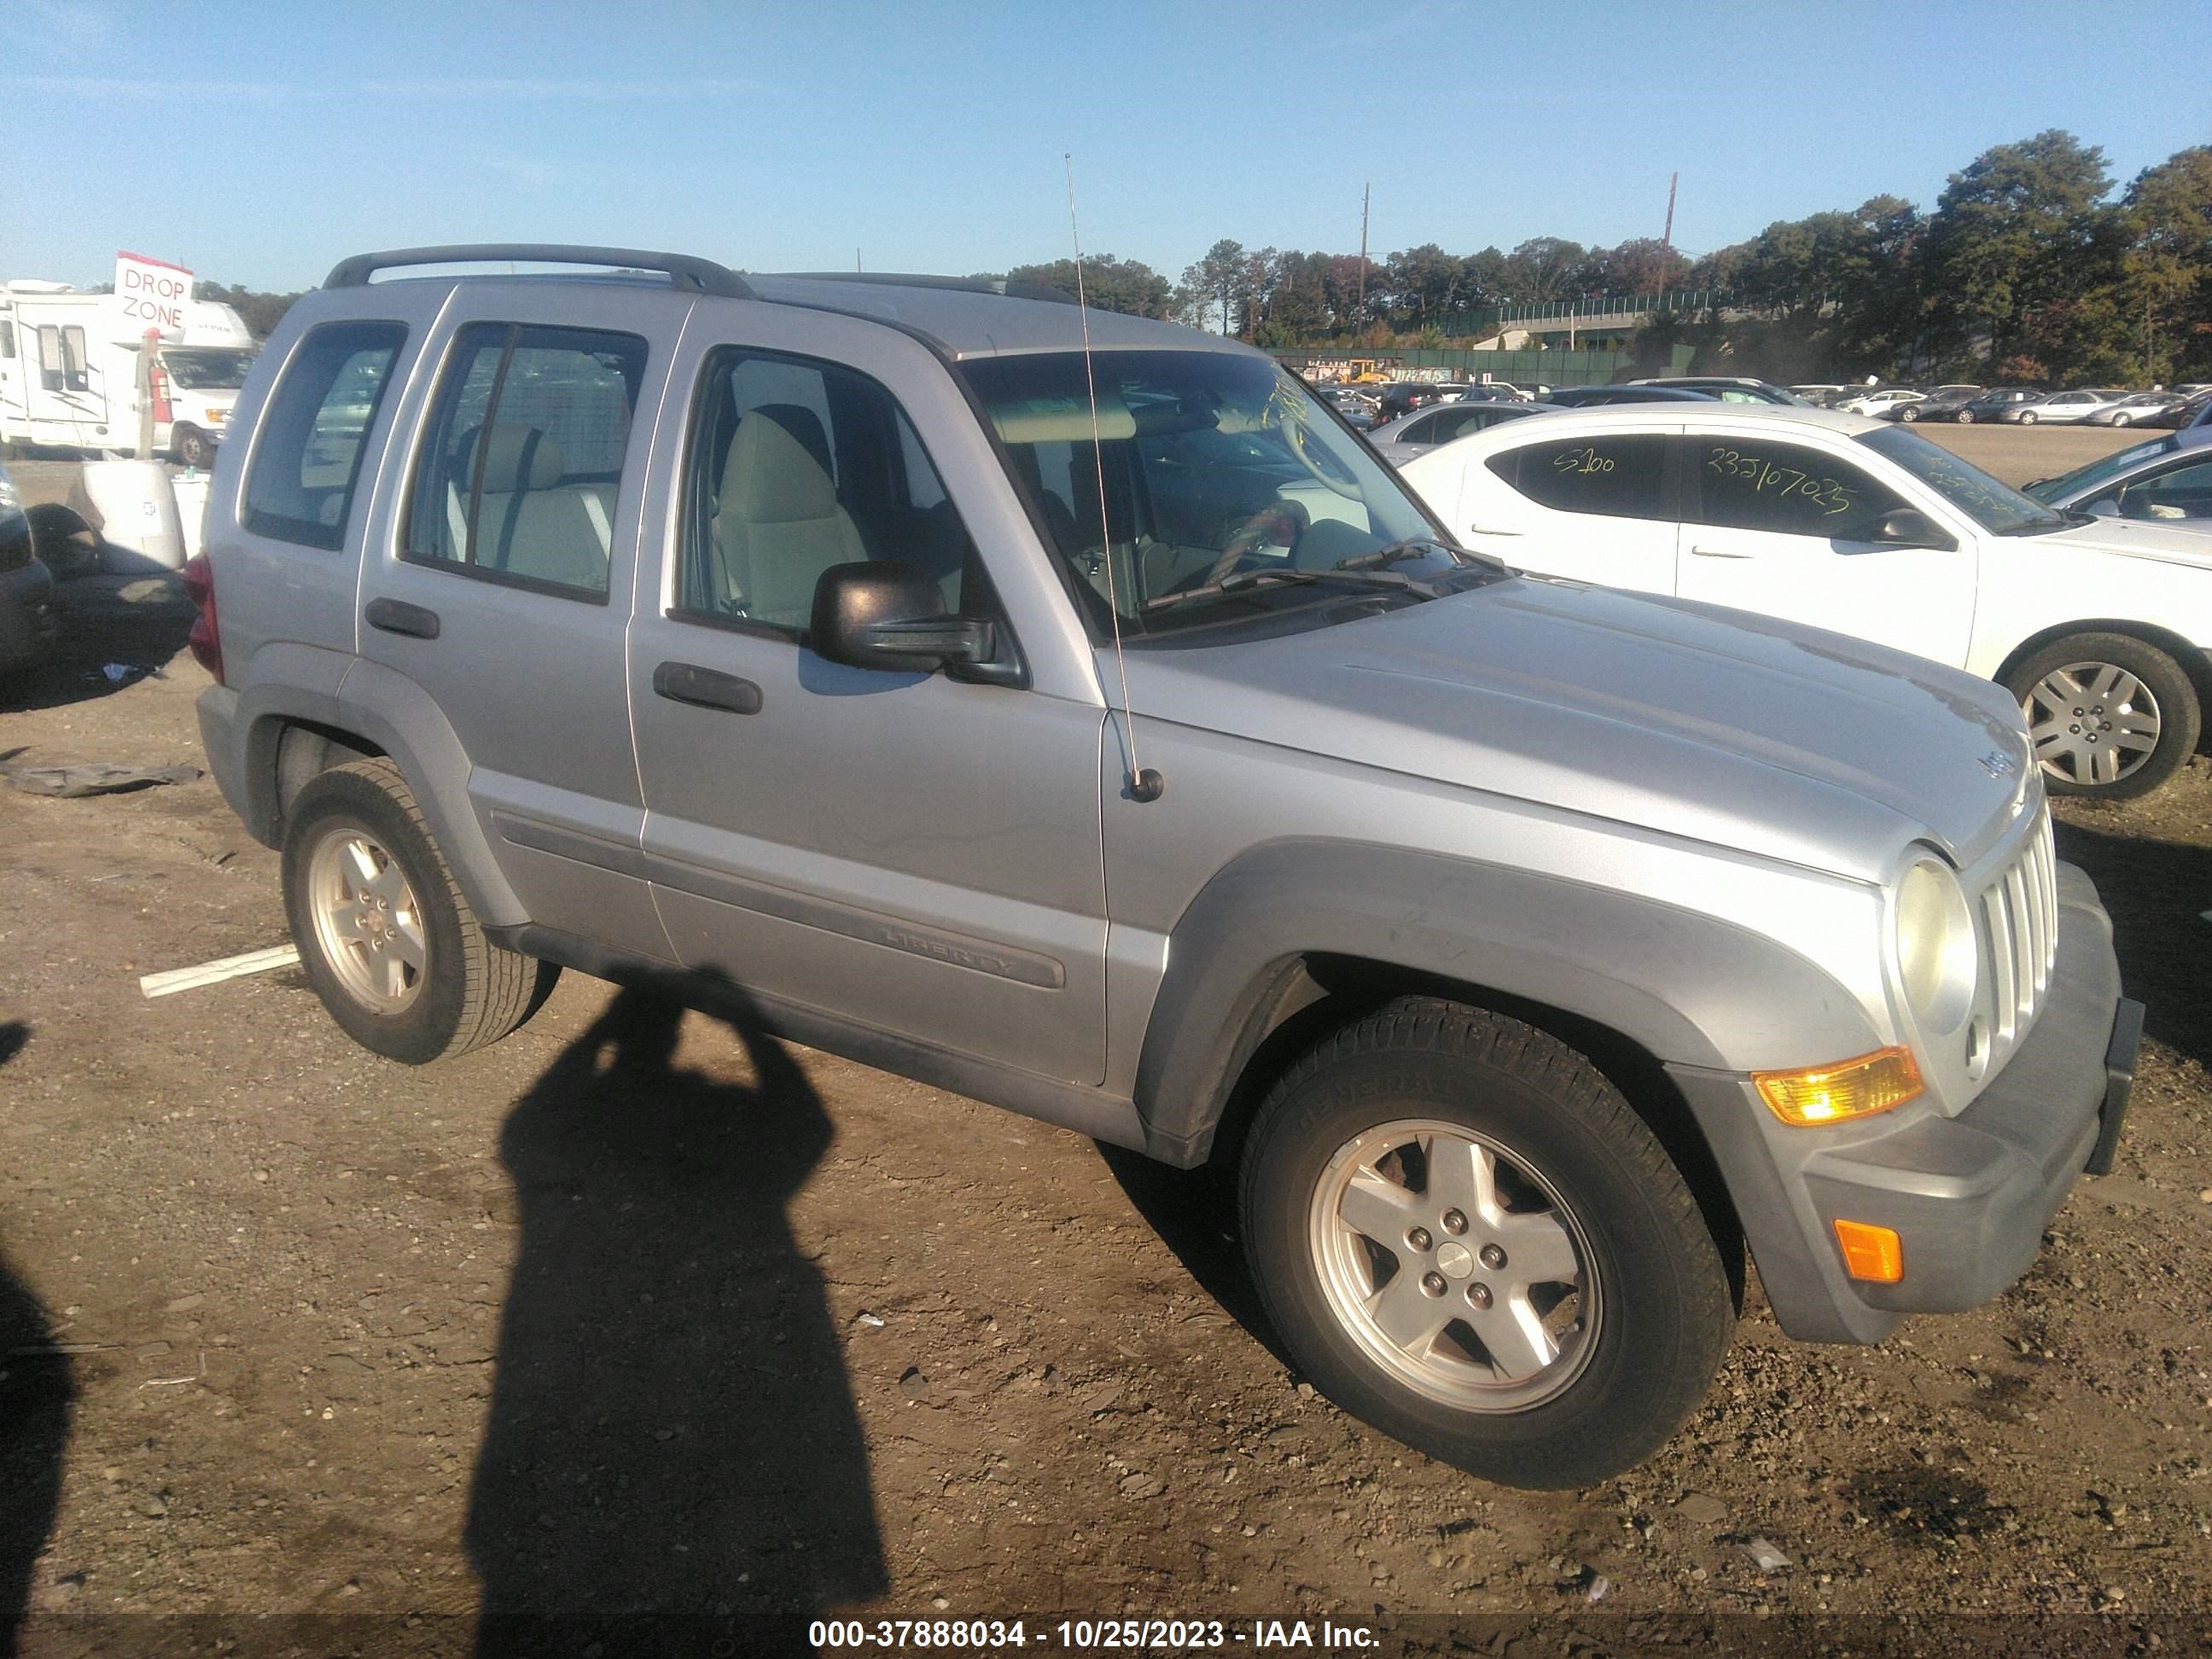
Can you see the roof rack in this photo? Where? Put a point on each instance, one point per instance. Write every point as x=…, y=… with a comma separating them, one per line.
x=684, y=271
x=962, y=284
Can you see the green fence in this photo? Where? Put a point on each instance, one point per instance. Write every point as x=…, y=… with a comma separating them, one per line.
x=1464, y=363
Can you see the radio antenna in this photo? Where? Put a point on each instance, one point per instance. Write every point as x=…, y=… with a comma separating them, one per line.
x=1144, y=786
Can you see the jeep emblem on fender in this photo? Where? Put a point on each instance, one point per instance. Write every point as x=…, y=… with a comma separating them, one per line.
x=1998, y=765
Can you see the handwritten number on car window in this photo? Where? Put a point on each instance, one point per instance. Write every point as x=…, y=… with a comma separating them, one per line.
x=1585, y=460
x=1828, y=495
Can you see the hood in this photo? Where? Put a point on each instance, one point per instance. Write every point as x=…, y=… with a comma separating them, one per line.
x=2137, y=538
x=1684, y=719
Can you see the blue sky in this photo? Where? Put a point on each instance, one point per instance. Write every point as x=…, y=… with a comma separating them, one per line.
x=258, y=143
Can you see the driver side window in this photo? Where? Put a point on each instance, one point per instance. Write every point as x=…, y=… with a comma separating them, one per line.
x=2180, y=493
x=796, y=465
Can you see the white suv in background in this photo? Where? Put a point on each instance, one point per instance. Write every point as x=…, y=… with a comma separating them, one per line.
x=2099, y=626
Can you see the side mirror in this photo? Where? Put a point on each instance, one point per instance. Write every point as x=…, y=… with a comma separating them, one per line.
x=887, y=615
x=2106, y=508
x=1908, y=527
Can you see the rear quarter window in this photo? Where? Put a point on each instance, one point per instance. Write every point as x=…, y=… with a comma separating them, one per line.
x=309, y=446
x=1621, y=477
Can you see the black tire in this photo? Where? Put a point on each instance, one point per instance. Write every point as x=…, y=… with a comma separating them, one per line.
x=2028, y=417
x=191, y=448
x=2180, y=716
x=64, y=542
x=1665, y=1309
x=472, y=991
x=2123, y=419
x=1908, y=413
x=1965, y=417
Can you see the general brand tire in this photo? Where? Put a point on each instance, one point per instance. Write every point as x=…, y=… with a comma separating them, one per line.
x=2110, y=675
x=192, y=448
x=1635, y=1333
x=467, y=992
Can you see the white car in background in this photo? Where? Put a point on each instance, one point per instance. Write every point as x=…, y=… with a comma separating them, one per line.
x=2099, y=626
x=1426, y=429
x=1879, y=399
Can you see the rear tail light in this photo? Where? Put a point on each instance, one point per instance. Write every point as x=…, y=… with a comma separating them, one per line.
x=206, y=639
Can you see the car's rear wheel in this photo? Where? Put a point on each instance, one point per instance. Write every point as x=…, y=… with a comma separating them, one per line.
x=2109, y=715
x=1466, y=1236
x=1965, y=417
x=1908, y=413
x=2123, y=419
x=191, y=448
x=386, y=935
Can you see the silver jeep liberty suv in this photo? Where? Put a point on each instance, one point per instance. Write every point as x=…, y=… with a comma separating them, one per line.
x=1082, y=719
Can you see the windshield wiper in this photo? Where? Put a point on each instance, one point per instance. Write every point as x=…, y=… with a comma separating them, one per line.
x=2068, y=520
x=1412, y=548
x=1239, y=580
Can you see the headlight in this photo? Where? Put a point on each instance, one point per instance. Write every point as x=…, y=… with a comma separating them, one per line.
x=1937, y=958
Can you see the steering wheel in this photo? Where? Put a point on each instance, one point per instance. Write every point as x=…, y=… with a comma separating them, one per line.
x=1279, y=523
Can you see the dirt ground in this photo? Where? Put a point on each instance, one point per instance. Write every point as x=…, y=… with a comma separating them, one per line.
x=617, y=1316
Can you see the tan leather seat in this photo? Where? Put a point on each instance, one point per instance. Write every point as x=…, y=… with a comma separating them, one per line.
x=779, y=526
x=530, y=523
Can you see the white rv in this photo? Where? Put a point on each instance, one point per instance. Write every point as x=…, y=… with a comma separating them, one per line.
x=68, y=373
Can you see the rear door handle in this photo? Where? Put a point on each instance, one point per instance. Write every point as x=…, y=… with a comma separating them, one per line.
x=1723, y=552
x=398, y=616
x=706, y=688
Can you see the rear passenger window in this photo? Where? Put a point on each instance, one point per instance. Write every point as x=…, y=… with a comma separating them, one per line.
x=520, y=471
x=795, y=466
x=1624, y=478
x=307, y=445
x=1785, y=489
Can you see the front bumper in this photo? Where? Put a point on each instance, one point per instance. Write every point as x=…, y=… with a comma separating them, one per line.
x=1968, y=1196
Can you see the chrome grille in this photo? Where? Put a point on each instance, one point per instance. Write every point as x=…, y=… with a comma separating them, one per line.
x=2020, y=912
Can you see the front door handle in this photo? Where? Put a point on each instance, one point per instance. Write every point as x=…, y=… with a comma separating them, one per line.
x=1723, y=552
x=398, y=616
x=706, y=688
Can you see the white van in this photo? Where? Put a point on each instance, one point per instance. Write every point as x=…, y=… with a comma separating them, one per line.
x=68, y=373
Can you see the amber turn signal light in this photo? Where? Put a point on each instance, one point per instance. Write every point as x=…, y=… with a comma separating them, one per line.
x=1873, y=1254
x=1850, y=1088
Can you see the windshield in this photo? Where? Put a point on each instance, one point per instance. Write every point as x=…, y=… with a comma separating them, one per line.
x=2097, y=472
x=1231, y=495
x=208, y=371
x=1995, y=506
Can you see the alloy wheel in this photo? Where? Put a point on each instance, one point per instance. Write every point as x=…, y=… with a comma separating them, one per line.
x=2093, y=723
x=367, y=921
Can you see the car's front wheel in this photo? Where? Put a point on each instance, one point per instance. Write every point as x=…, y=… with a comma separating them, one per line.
x=1965, y=417
x=2028, y=419
x=2123, y=419
x=1908, y=413
x=386, y=935
x=2109, y=715
x=191, y=448
x=1466, y=1236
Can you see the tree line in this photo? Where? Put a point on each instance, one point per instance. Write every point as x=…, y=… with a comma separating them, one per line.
x=2031, y=267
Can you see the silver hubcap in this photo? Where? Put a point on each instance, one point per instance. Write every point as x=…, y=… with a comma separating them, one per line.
x=2093, y=723
x=366, y=922
x=1455, y=1265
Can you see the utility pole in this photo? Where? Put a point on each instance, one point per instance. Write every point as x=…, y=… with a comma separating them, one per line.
x=1359, y=305
x=1666, y=236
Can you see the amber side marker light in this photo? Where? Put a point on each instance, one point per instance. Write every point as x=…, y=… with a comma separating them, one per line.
x=1873, y=1254
x=1850, y=1088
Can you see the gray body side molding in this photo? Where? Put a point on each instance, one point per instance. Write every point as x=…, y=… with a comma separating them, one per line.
x=1688, y=987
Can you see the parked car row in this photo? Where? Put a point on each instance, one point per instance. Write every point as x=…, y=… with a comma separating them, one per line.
x=2016, y=405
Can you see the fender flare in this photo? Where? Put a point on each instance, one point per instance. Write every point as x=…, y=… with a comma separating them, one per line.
x=391, y=711
x=1691, y=989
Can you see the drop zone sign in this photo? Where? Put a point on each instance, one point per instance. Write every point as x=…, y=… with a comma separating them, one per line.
x=153, y=292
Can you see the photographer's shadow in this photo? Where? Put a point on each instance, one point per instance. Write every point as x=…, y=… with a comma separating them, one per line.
x=671, y=1442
